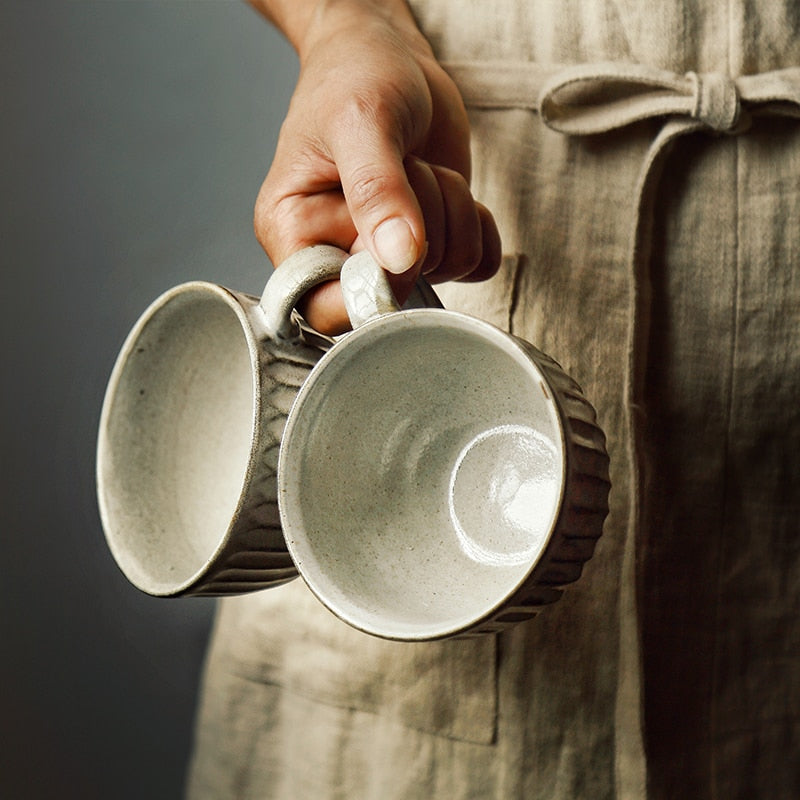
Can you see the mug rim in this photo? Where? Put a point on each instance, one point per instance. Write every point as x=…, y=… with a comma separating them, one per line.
x=454, y=319
x=160, y=588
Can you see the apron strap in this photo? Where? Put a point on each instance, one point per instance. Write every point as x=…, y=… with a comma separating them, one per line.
x=584, y=99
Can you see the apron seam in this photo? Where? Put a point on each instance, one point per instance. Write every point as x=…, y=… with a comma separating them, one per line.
x=726, y=483
x=715, y=652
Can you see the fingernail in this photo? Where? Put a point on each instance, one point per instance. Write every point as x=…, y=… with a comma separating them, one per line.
x=395, y=246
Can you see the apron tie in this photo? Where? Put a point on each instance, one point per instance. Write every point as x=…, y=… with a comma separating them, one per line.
x=595, y=98
x=583, y=99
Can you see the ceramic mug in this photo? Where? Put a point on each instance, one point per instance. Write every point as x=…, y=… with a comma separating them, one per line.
x=190, y=429
x=438, y=477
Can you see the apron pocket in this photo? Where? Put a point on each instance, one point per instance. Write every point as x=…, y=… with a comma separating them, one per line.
x=286, y=637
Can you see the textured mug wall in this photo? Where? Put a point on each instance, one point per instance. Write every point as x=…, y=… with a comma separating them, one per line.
x=135, y=136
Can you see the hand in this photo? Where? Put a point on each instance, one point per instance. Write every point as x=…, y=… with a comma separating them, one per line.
x=374, y=153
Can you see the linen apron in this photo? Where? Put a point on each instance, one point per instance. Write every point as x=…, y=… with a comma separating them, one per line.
x=643, y=163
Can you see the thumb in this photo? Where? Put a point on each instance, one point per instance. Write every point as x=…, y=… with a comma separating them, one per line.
x=381, y=202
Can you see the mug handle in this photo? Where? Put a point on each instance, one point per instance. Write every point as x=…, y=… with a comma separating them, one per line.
x=291, y=280
x=367, y=293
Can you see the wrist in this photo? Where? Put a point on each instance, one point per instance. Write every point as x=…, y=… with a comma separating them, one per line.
x=342, y=18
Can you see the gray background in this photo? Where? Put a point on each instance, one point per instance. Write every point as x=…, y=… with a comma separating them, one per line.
x=135, y=136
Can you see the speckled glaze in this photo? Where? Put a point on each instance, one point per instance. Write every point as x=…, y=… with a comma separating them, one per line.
x=190, y=431
x=438, y=477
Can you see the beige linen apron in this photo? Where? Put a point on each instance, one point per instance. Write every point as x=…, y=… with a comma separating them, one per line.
x=644, y=162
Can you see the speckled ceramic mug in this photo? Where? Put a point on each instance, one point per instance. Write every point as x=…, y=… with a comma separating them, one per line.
x=190, y=428
x=438, y=477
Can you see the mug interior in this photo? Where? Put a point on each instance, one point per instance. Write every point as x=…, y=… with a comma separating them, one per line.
x=421, y=474
x=175, y=436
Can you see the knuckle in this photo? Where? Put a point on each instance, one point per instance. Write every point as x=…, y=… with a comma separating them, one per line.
x=264, y=219
x=274, y=223
x=384, y=111
x=368, y=188
x=275, y=211
x=262, y=214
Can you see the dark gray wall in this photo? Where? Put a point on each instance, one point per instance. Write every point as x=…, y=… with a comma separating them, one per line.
x=133, y=139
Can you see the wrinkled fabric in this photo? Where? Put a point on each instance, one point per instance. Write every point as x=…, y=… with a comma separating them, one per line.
x=643, y=163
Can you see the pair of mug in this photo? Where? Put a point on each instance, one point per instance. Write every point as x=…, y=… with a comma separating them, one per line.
x=427, y=474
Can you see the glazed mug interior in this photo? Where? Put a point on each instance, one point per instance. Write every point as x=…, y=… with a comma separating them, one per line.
x=190, y=428
x=421, y=473
x=411, y=509
x=175, y=447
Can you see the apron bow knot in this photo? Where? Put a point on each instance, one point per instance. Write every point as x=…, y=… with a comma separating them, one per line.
x=594, y=98
x=716, y=101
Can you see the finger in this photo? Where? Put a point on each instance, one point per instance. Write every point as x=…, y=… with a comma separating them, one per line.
x=323, y=306
x=383, y=206
x=492, y=248
x=323, y=309
x=285, y=225
x=448, y=141
x=463, y=249
x=429, y=196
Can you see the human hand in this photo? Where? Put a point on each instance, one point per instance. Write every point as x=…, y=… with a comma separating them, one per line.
x=374, y=154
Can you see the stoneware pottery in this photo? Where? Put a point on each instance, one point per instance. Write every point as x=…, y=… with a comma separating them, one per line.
x=190, y=429
x=438, y=477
